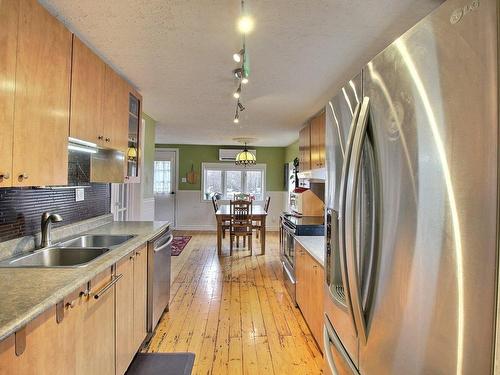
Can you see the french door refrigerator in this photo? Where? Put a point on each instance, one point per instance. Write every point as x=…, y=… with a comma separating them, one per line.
x=412, y=202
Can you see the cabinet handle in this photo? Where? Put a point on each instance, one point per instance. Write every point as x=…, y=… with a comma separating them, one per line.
x=100, y=137
x=108, y=139
x=105, y=288
x=23, y=176
x=4, y=176
x=70, y=305
x=131, y=257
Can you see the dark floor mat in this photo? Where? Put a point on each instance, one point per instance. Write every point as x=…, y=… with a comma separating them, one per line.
x=162, y=364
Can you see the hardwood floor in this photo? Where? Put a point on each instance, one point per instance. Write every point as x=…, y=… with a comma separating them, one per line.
x=234, y=313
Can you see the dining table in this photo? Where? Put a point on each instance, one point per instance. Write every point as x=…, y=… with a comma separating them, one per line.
x=259, y=215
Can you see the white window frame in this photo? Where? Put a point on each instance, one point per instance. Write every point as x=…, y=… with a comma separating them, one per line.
x=171, y=187
x=232, y=167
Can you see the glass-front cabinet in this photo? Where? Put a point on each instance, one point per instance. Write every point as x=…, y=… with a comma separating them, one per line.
x=134, y=134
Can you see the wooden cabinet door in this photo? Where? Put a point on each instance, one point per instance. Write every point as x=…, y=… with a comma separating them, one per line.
x=96, y=349
x=45, y=351
x=9, y=17
x=140, y=296
x=41, y=110
x=318, y=141
x=87, y=93
x=115, y=111
x=124, y=314
x=305, y=149
x=321, y=139
x=315, y=319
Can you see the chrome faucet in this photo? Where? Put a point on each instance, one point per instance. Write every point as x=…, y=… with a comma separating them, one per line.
x=47, y=220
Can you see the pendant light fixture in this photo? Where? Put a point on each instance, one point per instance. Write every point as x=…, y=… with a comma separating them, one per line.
x=245, y=157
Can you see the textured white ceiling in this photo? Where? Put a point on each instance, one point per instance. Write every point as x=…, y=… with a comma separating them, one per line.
x=179, y=54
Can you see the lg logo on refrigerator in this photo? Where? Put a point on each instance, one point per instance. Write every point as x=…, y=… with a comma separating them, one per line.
x=459, y=13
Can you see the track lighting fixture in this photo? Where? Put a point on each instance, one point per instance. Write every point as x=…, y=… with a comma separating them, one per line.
x=238, y=56
x=237, y=92
x=236, y=117
x=244, y=80
x=240, y=106
x=238, y=73
x=245, y=24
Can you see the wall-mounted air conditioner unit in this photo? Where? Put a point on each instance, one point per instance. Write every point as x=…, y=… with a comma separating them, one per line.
x=229, y=154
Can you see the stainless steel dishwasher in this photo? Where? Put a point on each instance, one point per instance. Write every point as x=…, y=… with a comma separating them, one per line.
x=159, y=263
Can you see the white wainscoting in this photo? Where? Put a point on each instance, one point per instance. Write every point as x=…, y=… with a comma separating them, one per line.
x=148, y=209
x=194, y=214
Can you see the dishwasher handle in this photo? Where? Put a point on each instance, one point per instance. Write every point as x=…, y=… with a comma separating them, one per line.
x=166, y=244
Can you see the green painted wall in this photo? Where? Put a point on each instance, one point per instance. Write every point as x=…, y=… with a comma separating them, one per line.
x=149, y=156
x=273, y=157
x=292, y=151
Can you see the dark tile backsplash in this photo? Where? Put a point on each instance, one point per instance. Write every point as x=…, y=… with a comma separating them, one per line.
x=21, y=208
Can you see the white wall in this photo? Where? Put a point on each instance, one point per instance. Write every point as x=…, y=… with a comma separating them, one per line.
x=194, y=214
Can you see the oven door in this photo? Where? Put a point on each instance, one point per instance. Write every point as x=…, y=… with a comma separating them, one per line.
x=288, y=258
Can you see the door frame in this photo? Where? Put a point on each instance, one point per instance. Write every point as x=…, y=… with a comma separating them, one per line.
x=176, y=177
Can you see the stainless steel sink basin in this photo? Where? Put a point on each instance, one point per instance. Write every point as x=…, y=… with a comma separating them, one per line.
x=56, y=257
x=96, y=240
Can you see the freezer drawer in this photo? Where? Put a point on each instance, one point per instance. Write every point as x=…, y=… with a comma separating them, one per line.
x=337, y=361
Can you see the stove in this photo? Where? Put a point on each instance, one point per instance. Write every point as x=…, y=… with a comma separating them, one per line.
x=292, y=225
x=303, y=225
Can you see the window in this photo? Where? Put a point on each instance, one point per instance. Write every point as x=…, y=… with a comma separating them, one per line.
x=162, y=177
x=226, y=180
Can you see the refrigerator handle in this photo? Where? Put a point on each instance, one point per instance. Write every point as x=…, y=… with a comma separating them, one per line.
x=351, y=191
x=330, y=337
x=342, y=202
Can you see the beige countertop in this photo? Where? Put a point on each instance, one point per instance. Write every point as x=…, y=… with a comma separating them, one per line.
x=314, y=245
x=26, y=292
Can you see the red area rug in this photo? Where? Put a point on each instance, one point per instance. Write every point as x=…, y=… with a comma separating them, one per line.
x=179, y=243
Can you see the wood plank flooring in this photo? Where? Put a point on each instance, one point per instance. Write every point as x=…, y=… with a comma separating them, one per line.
x=234, y=313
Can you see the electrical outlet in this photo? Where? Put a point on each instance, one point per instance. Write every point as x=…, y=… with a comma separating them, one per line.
x=79, y=195
x=184, y=179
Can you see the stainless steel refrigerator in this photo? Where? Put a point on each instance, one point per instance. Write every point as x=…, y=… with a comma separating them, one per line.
x=412, y=202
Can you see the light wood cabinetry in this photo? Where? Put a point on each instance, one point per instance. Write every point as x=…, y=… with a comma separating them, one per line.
x=96, y=353
x=312, y=144
x=125, y=314
x=140, y=295
x=305, y=149
x=318, y=141
x=134, y=135
x=115, y=111
x=87, y=94
x=309, y=276
x=42, y=98
x=9, y=17
x=130, y=307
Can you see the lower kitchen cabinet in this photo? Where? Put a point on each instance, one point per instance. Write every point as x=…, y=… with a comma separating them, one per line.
x=130, y=313
x=96, y=329
x=309, y=276
x=101, y=330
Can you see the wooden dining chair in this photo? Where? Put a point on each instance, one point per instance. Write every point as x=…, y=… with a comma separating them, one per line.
x=225, y=223
x=241, y=223
x=257, y=225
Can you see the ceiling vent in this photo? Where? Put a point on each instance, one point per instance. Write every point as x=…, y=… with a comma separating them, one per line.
x=229, y=154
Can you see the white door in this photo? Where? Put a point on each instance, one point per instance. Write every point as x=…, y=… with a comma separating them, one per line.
x=165, y=185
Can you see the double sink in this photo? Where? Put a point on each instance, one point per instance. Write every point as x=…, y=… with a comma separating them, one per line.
x=76, y=252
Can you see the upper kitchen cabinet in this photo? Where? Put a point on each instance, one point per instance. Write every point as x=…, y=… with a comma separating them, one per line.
x=87, y=94
x=305, y=148
x=312, y=144
x=9, y=17
x=42, y=98
x=134, y=130
x=318, y=141
x=115, y=111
